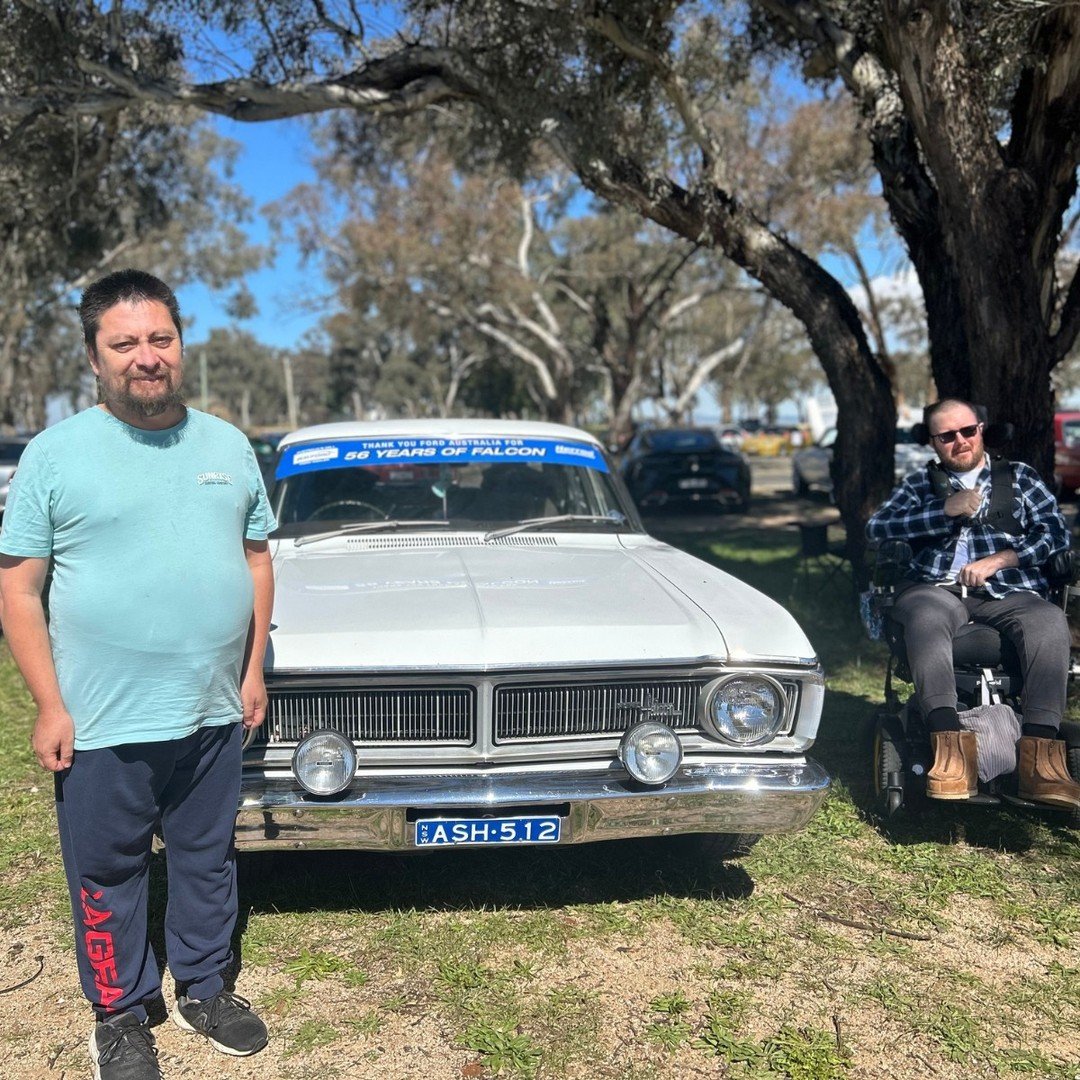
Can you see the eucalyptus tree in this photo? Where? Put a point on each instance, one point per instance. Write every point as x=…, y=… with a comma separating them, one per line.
x=455, y=272
x=970, y=109
x=83, y=192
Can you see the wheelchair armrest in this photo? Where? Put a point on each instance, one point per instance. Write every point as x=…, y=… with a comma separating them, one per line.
x=1062, y=569
x=892, y=560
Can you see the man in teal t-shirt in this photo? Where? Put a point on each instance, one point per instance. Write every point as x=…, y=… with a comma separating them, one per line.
x=148, y=669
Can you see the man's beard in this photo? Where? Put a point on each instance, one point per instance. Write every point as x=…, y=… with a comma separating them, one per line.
x=146, y=407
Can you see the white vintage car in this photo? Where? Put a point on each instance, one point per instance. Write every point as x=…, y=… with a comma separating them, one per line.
x=474, y=642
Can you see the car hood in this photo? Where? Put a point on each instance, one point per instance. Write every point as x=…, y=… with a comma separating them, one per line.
x=440, y=603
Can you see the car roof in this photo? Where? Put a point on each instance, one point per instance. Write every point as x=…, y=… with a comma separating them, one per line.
x=447, y=429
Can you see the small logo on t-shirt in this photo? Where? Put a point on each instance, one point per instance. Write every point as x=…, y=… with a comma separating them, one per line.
x=214, y=478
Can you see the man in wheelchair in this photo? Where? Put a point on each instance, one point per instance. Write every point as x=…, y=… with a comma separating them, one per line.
x=981, y=533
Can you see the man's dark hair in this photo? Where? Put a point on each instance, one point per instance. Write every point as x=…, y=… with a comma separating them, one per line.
x=124, y=287
x=930, y=410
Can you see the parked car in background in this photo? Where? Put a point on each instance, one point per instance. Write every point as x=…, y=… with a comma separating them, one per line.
x=910, y=454
x=810, y=468
x=11, y=448
x=1067, y=451
x=667, y=468
x=265, y=445
x=475, y=643
x=731, y=438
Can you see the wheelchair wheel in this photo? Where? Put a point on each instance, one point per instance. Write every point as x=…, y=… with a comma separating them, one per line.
x=890, y=773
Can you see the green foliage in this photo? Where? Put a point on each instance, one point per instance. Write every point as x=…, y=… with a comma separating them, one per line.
x=310, y=1035
x=321, y=965
x=502, y=1050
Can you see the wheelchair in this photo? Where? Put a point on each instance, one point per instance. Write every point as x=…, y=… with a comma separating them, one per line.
x=987, y=671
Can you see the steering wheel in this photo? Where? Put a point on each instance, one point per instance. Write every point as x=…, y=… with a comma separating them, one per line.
x=324, y=511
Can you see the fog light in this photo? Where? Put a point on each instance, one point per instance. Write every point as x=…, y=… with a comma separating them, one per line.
x=324, y=763
x=747, y=709
x=650, y=752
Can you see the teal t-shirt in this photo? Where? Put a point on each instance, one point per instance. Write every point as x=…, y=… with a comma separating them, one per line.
x=151, y=596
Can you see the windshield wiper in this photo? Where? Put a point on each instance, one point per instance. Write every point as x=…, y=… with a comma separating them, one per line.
x=556, y=519
x=362, y=526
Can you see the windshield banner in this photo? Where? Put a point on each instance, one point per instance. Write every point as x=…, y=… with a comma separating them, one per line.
x=351, y=453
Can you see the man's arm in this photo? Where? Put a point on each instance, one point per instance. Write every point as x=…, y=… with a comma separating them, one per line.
x=252, y=686
x=22, y=582
x=1046, y=531
x=913, y=510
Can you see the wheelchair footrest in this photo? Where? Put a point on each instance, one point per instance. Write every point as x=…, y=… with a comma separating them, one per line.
x=1027, y=804
x=983, y=798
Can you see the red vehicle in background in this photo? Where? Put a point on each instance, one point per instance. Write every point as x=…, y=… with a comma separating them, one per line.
x=1067, y=451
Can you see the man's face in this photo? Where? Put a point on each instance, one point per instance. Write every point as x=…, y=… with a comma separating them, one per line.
x=962, y=453
x=137, y=359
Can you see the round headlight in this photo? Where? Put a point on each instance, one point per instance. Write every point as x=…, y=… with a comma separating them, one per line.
x=650, y=752
x=747, y=710
x=324, y=763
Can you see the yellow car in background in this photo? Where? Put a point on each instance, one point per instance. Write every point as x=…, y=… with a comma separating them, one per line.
x=775, y=440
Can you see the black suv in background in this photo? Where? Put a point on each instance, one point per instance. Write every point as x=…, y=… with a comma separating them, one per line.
x=682, y=467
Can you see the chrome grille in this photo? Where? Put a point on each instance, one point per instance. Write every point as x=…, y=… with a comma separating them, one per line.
x=553, y=711
x=387, y=715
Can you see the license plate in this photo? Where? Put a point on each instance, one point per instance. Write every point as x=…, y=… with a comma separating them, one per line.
x=456, y=832
x=693, y=483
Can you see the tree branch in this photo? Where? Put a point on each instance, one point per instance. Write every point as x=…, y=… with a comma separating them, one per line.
x=515, y=347
x=608, y=27
x=704, y=368
x=907, y=185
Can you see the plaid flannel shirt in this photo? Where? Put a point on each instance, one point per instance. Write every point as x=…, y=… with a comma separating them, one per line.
x=913, y=513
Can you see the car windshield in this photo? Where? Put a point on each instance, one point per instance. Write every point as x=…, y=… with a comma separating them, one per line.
x=1070, y=433
x=471, y=484
x=10, y=451
x=666, y=442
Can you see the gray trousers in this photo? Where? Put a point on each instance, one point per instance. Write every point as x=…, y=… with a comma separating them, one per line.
x=931, y=615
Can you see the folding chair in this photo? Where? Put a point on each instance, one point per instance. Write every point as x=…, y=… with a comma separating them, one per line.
x=818, y=553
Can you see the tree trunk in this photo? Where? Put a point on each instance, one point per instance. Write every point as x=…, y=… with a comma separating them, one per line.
x=989, y=341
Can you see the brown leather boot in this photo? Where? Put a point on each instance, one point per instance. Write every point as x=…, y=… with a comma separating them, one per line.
x=1044, y=775
x=955, y=772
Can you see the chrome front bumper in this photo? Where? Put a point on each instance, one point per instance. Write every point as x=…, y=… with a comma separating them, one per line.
x=379, y=813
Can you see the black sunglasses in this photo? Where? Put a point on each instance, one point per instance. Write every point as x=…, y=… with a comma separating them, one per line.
x=968, y=432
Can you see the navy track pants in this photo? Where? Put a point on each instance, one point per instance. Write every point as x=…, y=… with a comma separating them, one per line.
x=107, y=806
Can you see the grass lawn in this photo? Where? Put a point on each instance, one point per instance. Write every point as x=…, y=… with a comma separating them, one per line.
x=942, y=946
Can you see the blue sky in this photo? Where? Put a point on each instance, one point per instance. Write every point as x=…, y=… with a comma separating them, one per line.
x=275, y=157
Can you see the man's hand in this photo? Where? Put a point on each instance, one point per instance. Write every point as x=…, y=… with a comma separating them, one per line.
x=963, y=503
x=253, y=699
x=981, y=570
x=53, y=740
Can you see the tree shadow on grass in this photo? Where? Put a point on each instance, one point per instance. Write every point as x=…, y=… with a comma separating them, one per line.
x=510, y=879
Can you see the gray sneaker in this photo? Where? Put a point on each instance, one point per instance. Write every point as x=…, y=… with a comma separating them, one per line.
x=122, y=1048
x=225, y=1019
